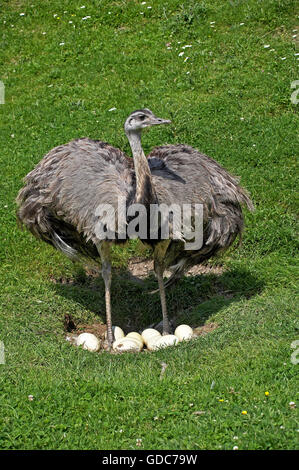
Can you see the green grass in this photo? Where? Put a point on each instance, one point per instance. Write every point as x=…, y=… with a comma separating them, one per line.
x=119, y=58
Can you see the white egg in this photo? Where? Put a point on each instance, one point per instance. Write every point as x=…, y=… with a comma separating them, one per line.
x=162, y=342
x=149, y=333
x=117, y=332
x=136, y=336
x=152, y=341
x=88, y=341
x=183, y=332
x=127, y=345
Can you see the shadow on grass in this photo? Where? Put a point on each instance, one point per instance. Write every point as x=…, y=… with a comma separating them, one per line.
x=193, y=300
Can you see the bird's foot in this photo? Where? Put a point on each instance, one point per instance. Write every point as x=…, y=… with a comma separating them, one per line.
x=160, y=327
x=166, y=327
x=107, y=346
x=166, y=332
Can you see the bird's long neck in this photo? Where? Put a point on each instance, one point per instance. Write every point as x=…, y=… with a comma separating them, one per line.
x=145, y=191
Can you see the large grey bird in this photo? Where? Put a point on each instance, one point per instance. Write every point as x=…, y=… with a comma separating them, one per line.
x=59, y=202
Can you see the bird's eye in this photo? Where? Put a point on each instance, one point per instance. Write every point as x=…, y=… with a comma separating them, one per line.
x=142, y=117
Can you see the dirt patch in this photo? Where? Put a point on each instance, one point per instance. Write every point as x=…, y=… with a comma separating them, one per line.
x=205, y=329
x=97, y=329
x=62, y=280
x=141, y=268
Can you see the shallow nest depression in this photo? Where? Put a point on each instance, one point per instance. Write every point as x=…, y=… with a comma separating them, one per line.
x=138, y=269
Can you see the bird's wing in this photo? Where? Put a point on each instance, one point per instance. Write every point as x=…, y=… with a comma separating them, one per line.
x=181, y=174
x=191, y=176
x=71, y=182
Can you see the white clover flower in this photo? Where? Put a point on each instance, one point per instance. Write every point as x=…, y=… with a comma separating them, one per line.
x=181, y=53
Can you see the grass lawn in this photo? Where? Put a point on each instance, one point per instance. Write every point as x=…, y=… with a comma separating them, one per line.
x=64, y=67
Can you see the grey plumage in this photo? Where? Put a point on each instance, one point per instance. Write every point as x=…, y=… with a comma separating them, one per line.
x=59, y=200
x=63, y=191
x=202, y=180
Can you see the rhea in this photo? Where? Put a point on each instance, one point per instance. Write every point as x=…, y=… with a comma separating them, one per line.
x=59, y=201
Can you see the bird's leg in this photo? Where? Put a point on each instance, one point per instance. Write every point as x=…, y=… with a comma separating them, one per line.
x=159, y=271
x=104, y=250
x=159, y=266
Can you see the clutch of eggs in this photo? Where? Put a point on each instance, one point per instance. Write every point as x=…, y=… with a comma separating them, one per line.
x=134, y=342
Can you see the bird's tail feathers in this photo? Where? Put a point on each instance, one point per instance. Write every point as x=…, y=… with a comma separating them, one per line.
x=65, y=248
x=244, y=199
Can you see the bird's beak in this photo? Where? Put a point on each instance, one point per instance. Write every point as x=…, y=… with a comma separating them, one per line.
x=156, y=121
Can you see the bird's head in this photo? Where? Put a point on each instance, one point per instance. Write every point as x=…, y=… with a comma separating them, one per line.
x=142, y=118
